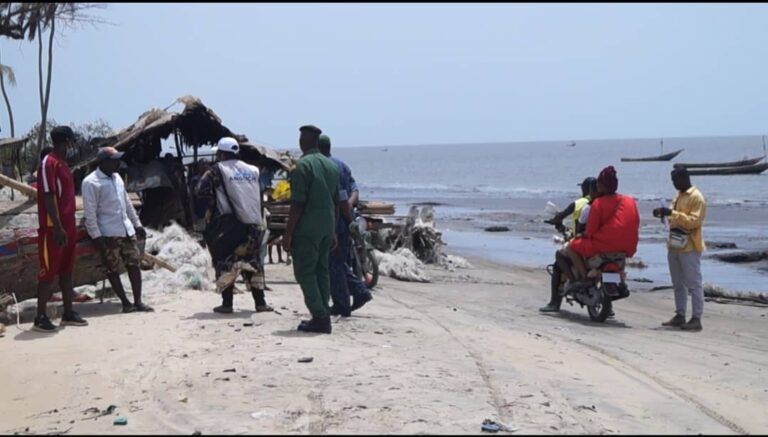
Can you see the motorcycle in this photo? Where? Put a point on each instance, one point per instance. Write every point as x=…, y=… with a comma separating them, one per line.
x=604, y=285
x=364, y=264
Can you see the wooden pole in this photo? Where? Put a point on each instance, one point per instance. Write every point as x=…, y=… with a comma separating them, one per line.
x=159, y=261
x=24, y=188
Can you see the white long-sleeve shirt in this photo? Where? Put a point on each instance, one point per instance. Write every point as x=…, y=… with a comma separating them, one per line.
x=107, y=209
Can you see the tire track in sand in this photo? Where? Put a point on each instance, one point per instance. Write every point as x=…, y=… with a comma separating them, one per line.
x=679, y=392
x=497, y=401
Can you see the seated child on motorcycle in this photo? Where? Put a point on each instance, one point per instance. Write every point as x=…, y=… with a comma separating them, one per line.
x=613, y=226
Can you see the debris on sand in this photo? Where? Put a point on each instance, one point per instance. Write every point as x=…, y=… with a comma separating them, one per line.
x=497, y=229
x=402, y=265
x=494, y=427
x=720, y=245
x=715, y=292
x=741, y=257
x=635, y=263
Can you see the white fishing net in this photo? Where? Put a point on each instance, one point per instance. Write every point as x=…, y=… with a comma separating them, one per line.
x=402, y=264
x=193, y=262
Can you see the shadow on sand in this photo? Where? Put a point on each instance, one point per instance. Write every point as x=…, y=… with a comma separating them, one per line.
x=583, y=319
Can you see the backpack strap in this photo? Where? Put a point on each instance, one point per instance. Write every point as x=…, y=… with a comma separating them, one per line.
x=224, y=188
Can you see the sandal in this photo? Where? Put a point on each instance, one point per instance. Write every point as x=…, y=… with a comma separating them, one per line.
x=129, y=309
x=264, y=308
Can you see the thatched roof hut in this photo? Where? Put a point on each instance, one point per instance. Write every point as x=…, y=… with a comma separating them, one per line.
x=163, y=182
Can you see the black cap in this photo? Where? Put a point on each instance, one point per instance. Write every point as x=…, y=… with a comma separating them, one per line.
x=60, y=134
x=311, y=128
x=588, y=181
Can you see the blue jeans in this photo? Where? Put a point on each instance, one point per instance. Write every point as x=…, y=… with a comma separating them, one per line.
x=343, y=281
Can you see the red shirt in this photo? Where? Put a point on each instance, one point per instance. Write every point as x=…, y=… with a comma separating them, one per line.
x=54, y=176
x=614, y=224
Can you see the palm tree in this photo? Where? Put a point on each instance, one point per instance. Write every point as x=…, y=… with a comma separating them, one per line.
x=30, y=20
x=7, y=72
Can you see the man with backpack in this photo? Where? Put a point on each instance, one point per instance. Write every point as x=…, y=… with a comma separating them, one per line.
x=234, y=224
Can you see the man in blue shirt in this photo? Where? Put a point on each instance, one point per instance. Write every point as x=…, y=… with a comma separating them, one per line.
x=343, y=282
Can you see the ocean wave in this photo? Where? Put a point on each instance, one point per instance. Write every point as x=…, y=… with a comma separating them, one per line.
x=470, y=190
x=490, y=191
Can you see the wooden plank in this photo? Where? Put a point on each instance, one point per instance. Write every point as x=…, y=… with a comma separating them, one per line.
x=159, y=261
x=24, y=188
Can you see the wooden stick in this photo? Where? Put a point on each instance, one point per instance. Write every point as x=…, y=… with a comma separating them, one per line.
x=162, y=263
x=24, y=188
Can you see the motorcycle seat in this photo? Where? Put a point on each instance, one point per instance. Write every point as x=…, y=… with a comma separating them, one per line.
x=608, y=257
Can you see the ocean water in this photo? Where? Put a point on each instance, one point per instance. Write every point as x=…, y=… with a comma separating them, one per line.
x=477, y=185
x=552, y=169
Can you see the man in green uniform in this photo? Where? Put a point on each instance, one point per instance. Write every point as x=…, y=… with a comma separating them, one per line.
x=310, y=232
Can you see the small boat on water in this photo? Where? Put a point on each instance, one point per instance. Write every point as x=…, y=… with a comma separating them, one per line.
x=742, y=163
x=744, y=169
x=664, y=157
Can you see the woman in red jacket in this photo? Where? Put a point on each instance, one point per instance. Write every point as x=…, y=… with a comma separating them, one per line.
x=613, y=225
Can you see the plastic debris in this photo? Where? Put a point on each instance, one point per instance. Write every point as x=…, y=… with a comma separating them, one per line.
x=120, y=421
x=494, y=427
x=261, y=414
x=306, y=359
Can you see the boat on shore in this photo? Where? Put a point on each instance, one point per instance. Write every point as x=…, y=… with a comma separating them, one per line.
x=664, y=157
x=744, y=169
x=742, y=163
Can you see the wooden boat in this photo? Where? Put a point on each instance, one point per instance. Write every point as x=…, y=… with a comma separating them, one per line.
x=19, y=262
x=744, y=169
x=742, y=163
x=664, y=157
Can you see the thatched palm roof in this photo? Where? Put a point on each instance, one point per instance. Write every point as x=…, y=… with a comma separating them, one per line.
x=12, y=142
x=195, y=126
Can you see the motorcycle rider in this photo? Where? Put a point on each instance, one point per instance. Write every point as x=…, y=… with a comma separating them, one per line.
x=588, y=186
x=613, y=226
x=579, y=210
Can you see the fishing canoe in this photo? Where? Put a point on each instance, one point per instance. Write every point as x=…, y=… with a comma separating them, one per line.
x=742, y=163
x=744, y=169
x=665, y=157
x=19, y=262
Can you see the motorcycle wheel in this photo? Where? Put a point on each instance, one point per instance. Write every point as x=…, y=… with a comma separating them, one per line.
x=600, y=311
x=370, y=269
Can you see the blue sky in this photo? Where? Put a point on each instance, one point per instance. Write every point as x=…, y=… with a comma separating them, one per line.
x=390, y=74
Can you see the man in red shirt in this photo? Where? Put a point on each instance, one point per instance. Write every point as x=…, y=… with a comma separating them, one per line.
x=57, y=233
x=613, y=225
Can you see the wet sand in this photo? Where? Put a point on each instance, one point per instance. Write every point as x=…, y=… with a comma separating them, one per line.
x=529, y=240
x=420, y=358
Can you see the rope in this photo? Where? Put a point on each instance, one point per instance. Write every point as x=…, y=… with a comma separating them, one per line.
x=18, y=314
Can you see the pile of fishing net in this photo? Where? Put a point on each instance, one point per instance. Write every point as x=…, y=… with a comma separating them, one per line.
x=192, y=262
x=404, y=254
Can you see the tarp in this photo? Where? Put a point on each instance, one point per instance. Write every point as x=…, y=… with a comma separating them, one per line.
x=144, y=177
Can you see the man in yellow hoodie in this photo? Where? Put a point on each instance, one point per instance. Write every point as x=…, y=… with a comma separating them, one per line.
x=687, y=214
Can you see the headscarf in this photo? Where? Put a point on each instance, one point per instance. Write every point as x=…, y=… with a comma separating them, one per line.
x=608, y=179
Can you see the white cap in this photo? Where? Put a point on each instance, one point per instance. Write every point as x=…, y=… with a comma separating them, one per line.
x=227, y=144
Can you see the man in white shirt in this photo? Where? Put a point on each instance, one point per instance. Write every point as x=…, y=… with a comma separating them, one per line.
x=234, y=226
x=113, y=224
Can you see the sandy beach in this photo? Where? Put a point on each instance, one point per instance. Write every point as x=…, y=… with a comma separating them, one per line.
x=438, y=358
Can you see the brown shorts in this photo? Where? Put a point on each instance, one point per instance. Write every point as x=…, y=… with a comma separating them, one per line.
x=117, y=248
